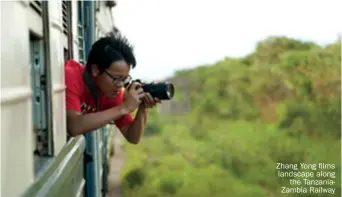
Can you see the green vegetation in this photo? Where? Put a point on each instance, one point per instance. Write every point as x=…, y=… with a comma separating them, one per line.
x=281, y=103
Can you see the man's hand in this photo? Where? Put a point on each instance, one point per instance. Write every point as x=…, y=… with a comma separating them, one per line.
x=133, y=97
x=149, y=101
x=134, y=131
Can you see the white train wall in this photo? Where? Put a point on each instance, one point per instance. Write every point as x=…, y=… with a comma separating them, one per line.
x=22, y=48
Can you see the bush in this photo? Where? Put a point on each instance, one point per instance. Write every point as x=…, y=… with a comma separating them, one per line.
x=281, y=103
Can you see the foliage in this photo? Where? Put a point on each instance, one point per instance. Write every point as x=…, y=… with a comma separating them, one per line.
x=281, y=103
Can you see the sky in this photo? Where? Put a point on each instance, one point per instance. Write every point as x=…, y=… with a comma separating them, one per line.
x=170, y=35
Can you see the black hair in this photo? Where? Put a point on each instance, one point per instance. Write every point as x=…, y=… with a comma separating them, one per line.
x=109, y=49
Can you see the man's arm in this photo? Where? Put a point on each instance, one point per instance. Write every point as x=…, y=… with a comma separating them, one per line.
x=78, y=123
x=134, y=131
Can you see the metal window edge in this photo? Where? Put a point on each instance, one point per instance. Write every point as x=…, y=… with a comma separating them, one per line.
x=58, y=170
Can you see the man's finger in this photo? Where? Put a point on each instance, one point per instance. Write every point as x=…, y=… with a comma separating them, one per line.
x=147, y=101
x=134, y=85
x=140, y=91
x=150, y=99
x=128, y=87
x=141, y=95
x=157, y=100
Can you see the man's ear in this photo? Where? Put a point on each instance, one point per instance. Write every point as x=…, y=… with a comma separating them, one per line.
x=95, y=70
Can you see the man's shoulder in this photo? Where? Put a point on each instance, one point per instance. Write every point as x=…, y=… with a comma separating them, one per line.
x=73, y=73
x=73, y=70
x=72, y=66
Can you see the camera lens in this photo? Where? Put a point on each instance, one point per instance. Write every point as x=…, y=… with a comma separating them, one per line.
x=170, y=90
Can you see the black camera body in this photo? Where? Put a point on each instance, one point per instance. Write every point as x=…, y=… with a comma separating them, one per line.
x=160, y=90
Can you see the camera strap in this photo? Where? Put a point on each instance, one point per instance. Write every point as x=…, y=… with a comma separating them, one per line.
x=91, y=85
x=88, y=156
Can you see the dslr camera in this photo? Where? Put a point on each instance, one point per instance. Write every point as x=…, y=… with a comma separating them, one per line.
x=160, y=90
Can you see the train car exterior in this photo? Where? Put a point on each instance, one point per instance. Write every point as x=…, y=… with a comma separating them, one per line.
x=37, y=159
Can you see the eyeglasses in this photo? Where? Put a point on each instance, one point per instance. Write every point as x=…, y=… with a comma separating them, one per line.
x=118, y=80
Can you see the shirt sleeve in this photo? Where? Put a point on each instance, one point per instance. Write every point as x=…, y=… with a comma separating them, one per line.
x=72, y=92
x=125, y=120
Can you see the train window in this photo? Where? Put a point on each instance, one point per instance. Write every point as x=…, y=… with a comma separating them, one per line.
x=65, y=17
x=37, y=6
x=40, y=83
x=39, y=96
x=67, y=30
x=80, y=25
x=68, y=40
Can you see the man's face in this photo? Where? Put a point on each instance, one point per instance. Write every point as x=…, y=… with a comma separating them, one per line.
x=112, y=79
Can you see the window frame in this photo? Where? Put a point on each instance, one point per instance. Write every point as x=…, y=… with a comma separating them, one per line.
x=41, y=79
x=80, y=32
x=67, y=29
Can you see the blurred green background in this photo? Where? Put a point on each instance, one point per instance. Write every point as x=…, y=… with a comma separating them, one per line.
x=281, y=103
